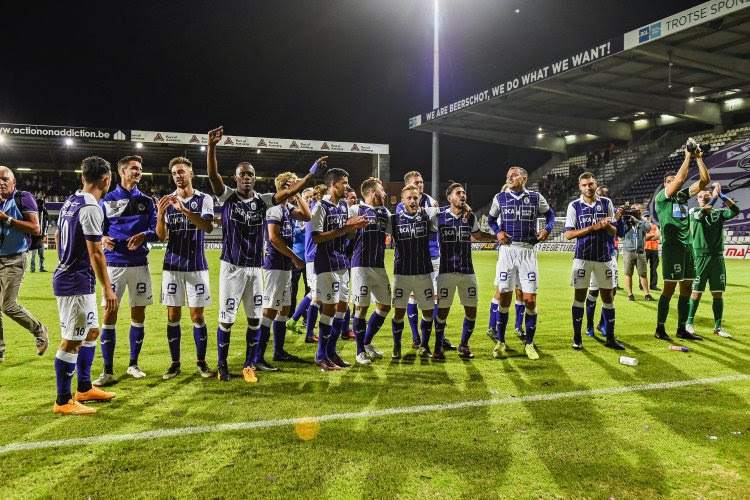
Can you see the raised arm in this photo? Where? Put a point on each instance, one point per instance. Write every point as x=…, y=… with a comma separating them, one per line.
x=318, y=168
x=302, y=211
x=704, y=179
x=217, y=183
x=681, y=176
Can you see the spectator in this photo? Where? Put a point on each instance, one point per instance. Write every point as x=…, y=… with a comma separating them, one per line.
x=652, y=251
x=38, y=241
x=633, y=251
x=18, y=221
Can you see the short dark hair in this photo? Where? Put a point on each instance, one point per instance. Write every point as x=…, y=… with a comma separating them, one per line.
x=124, y=161
x=452, y=187
x=350, y=189
x=334, y=175
x=669, y=174
x=180, y=160
x=94, y=169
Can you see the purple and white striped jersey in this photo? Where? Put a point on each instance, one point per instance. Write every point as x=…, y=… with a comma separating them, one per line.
x=455, y=241
x=369, y=242
x=516, y=214
x=280, y=215
x=185, y=250
x=127, y=213
x=427, y=201
x=310, y=247
x=81, y=219
x=331, y=255
x=243, y=226
x=597, y=245
x=411, y=235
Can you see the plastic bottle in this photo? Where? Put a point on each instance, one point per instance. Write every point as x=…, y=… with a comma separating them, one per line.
x=624, y=360
x=678, y=348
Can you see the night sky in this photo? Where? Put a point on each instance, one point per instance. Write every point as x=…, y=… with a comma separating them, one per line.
x=342, y=70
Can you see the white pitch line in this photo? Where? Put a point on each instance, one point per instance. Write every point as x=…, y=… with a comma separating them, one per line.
x=259, y=424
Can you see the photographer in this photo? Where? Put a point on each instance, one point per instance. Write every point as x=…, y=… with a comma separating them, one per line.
x=633, y=248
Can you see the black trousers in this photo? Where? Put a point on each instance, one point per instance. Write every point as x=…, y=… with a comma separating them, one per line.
x=296, y=274
x=652, y=257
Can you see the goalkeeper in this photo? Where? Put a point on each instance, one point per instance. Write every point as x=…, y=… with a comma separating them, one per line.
x=707, y=230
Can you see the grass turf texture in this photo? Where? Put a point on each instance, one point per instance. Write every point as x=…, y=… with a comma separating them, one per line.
x=635, y=444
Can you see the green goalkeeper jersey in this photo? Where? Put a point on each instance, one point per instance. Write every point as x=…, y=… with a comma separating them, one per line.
x=707, y=229
x=673, y=216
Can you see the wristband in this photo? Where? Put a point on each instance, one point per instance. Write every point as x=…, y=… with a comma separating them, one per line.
x=316, y=168
x=713, y=202
x=723, y=197
x=8, y=221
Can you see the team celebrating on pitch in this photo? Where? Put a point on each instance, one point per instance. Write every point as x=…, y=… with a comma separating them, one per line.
x=104, y=236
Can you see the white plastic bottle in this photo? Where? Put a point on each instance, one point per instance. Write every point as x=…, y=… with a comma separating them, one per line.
x=624, y=360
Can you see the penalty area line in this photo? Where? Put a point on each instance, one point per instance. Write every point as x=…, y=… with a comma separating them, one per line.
x=260, y=424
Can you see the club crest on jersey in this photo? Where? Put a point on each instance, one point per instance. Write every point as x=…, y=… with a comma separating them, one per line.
x=526, y=199
x=194, y=205
x=599, y=208
x=141, y=207
x=253, y=206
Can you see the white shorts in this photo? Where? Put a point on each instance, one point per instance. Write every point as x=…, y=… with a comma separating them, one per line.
x=516, y=267
x=138, y=282
x=175, y=284
x=239, y=284
x=419, y=284
x=78, y=315
x=435, y=271
x=465, y=284
x=370, y=283
x=596, y=274
x=617, y=276
x=277, y=291
x=311, y=277
x=332, y=287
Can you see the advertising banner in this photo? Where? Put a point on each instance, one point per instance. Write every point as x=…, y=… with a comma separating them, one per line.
x=238, y=141
x=25, y=130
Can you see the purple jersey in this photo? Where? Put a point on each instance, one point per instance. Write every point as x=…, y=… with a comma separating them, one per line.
x=426, y=201
x=310, y=247
x=331, y=255
x=279, y=215
x=411, y=235
x=597, y=245
x=369, y=242
x=516, y=214
x=127, y=213
x=243, y=227
x=185, y=246
x=455, y=241
x=80, y=221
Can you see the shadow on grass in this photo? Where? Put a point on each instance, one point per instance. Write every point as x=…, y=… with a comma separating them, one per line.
x=578, y=464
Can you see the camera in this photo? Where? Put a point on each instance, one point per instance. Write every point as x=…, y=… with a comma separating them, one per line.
x=629, y=214
x=692, y=146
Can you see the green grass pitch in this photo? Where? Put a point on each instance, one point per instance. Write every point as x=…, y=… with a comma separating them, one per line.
x=636, y=444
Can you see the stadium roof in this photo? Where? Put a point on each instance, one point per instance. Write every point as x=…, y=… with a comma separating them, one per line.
x=691, y=66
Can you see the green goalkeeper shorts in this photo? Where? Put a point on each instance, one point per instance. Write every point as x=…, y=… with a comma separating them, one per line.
x=677, y=262
x=711, y=269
